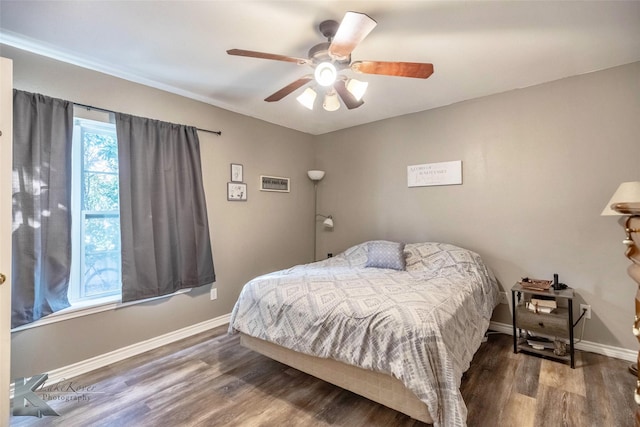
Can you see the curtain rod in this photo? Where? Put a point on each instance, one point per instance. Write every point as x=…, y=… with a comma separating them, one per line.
x=91, y=107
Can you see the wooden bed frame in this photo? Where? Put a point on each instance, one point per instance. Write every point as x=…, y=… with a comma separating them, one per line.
x=380, y=388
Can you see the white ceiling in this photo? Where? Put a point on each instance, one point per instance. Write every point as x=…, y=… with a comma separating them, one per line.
x=477, y=48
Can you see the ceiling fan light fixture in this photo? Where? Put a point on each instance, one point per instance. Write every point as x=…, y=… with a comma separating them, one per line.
x=331, y=102
x=307, y=98
x=325, y=74
x=357, y=88
x=332, y=57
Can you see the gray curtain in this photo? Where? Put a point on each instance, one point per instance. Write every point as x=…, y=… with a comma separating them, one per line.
x=43, y=131
x=163, y=215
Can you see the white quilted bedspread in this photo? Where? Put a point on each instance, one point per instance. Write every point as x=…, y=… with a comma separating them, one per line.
x=422, y=325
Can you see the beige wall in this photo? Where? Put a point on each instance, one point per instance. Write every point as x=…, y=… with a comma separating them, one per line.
x=270, y=231
x=539, y=165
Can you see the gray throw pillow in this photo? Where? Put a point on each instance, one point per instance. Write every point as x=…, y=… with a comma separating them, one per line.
x=383, y=254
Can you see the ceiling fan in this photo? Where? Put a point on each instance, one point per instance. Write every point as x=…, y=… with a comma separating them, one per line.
x=328, y=59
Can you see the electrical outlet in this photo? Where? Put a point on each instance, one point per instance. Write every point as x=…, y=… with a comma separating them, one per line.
x=504, y=299
x=214, y=294
x=583, y=307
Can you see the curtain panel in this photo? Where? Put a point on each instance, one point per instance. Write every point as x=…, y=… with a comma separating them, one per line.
x=41, y=237
x=163, y=216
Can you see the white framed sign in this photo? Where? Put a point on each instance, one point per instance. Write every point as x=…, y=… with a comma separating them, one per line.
x=274, y=183
x=428, y=174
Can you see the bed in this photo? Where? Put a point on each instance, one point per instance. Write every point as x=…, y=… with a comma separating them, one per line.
x=398, y=324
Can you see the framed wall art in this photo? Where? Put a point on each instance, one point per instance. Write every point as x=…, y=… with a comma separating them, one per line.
x=274, y=183
x=236, y=191
x=236, y=173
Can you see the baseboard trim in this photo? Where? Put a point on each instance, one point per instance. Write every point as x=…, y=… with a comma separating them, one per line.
x=593, y=347
x=88, y=365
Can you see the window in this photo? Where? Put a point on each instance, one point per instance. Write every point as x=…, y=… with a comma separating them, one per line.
x=96, y=267
x=78, y=168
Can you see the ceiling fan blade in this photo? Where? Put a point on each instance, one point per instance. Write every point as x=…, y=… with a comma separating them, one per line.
x=353, y=29
x=273, y=56
x=417, y=70
x=277, y=96
x=349, y=100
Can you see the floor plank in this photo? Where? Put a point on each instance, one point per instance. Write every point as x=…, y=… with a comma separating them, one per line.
x=520, y=411
x=561, y=376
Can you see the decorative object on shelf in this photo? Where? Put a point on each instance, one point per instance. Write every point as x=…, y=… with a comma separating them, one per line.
x=276, y=184
x=430, y=174
x=559, y=348
x=236, y=191
x=236, y=173
x=626, y=201
x=536, y=284
x=316, y=176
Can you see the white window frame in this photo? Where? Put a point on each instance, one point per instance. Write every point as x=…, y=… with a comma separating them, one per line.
x=101, y=122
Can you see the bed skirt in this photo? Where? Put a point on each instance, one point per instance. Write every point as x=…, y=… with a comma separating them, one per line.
x=376, y=386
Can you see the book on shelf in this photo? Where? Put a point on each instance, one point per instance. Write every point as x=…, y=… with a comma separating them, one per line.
x=539, y=309
x=540, y=343
x=544, y=302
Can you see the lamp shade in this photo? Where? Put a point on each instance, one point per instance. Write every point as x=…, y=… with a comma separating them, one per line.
x=307, y=98
x=328, y=222
x=315, y=175
x=627, y=192
x=331, y=102
x=357, y=88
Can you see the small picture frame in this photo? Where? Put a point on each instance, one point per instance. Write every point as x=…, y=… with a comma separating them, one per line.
x=274, y=183
x=236, y=191
x=236, y=173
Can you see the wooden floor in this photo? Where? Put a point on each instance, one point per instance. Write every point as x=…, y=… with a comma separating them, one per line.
x=210, y=380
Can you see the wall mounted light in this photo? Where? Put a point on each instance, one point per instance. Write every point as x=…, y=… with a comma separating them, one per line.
x=328, y=222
